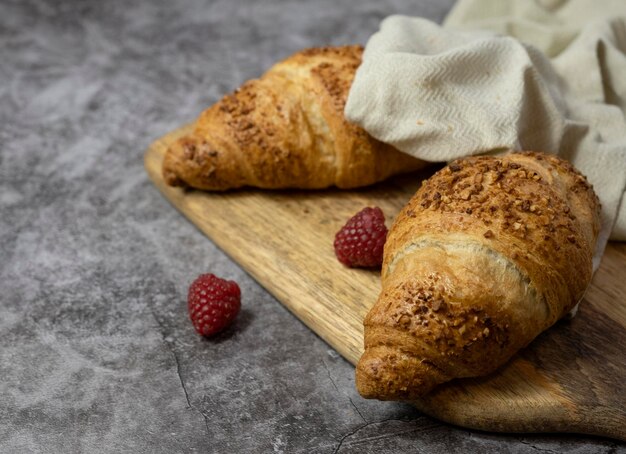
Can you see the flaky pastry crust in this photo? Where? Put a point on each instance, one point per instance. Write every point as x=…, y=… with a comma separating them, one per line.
x=490, y=252
x=286, y=130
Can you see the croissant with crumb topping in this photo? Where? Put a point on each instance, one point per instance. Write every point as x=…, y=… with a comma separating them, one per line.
x=489, y=252
x=285, y=130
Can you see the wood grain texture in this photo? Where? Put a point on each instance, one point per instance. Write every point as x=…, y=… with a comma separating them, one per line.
x=570, y=379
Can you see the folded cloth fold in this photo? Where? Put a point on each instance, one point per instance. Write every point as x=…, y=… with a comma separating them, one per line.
x=440, y=93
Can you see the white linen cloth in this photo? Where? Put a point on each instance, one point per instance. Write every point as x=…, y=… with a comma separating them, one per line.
x=518, y=74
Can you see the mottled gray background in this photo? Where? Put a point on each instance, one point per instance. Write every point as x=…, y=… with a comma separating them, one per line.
x=96, y=352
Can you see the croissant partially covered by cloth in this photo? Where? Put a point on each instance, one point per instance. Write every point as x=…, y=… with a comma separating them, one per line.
x=493, y=249
x=286, y=130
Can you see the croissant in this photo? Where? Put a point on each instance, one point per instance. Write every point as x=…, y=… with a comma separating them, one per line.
x=286, y=130
x=489, y=252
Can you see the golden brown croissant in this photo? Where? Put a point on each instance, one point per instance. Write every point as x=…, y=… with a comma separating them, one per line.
x=286, y=130
x=487, y=254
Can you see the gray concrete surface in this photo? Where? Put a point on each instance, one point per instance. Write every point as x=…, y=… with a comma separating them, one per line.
x=96, y=352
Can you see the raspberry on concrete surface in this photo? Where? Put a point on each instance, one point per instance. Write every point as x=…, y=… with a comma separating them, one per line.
x=213, y=303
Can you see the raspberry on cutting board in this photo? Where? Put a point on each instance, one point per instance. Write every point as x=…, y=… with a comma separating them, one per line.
x=360, y=242
x=213, y=303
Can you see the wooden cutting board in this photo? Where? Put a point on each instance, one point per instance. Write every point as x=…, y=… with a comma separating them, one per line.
x=570, y=379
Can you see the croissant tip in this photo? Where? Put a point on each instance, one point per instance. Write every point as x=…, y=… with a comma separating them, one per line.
x=171, y=179
x=386, y=378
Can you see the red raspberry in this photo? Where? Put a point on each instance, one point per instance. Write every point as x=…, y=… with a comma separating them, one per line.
x=213, y=303
x=360, y=242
